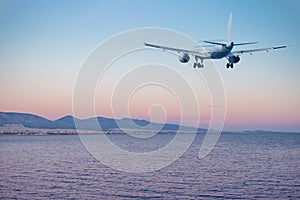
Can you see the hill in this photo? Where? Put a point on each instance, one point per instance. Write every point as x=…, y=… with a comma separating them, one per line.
x=68, y=122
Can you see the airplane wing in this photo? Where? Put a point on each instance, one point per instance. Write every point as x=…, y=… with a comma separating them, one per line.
x=257, y=50
x=199, y=54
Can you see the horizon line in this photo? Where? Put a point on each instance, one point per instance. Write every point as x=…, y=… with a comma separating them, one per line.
x=69, y=115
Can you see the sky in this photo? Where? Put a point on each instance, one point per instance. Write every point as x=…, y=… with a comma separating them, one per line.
x=43, y=45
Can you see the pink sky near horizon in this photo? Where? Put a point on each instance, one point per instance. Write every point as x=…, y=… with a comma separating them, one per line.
x=241, y=114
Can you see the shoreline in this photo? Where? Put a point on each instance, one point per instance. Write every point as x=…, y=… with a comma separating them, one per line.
x=20, y=130
x=24, y=131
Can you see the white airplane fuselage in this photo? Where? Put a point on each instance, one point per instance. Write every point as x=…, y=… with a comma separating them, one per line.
x=220, y=52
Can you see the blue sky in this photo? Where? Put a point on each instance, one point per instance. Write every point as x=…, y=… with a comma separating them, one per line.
x=43, y=44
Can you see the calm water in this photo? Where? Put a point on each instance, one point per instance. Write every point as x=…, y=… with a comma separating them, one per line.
x=241, y=166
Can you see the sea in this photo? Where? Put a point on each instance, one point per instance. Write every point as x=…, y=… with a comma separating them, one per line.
x=245, y=165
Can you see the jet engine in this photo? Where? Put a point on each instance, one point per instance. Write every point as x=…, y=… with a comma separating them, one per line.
x=184, y=57
x=234, y=59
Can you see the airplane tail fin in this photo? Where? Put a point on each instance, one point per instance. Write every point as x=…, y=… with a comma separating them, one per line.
x=229, y=26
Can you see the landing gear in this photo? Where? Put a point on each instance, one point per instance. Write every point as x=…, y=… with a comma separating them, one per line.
x=229, y=65
x=197, y=64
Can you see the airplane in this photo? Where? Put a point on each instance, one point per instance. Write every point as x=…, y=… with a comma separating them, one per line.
x=220, y=50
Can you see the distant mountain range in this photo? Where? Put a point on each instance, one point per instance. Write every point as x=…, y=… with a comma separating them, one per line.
x=68, y=122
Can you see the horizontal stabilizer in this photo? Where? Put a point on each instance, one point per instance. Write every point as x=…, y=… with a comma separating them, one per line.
x=203, y=46
x=283, y=46
x=217, y=43
x=245, y=43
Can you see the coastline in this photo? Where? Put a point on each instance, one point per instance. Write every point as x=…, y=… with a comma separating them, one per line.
x=18, y=129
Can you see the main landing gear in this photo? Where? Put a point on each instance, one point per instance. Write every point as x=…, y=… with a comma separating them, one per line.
x=229, y=65
x=197, y=64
